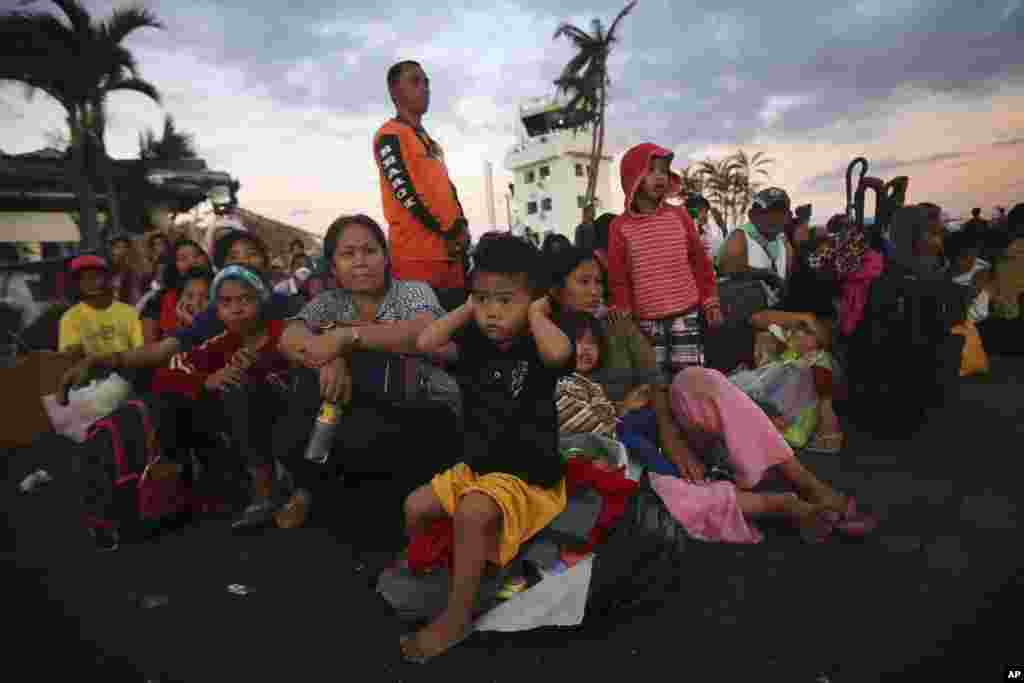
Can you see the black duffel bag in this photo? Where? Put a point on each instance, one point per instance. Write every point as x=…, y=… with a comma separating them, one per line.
x=741, y=296
x=744, y=294
x=641, y=562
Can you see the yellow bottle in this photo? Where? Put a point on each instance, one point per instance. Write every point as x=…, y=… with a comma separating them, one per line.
x=322, y=438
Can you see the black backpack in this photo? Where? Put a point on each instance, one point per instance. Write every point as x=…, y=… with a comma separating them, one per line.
x=903, y=358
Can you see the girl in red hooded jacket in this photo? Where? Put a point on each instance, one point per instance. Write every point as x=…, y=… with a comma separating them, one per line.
x=658, y=269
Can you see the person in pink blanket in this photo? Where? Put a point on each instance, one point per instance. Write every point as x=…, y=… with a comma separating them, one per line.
x=699, y=411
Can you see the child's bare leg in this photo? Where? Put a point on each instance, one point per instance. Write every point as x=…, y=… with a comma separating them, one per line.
x=805, y=516
x=828, y=421
x=422, y=508
x=763, y=504
x=811, y=489
x=477, y=527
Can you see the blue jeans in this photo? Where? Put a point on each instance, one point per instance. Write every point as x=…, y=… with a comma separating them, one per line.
x=638, y=430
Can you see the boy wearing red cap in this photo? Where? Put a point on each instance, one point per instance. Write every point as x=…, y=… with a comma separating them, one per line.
x=97, y=325
x=658, y=269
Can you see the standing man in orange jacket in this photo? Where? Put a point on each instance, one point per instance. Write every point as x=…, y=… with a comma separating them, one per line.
x=427, y=227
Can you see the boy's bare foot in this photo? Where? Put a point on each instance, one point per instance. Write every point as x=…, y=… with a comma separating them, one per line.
x=434, y=639
x=815, y=521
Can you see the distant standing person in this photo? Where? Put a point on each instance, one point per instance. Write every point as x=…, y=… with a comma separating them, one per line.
x=128, y=284
x=427, y=228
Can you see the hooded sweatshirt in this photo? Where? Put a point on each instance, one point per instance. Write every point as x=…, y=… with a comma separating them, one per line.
x=657, y=265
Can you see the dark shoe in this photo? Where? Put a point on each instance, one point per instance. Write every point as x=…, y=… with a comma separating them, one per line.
x=256, y=515
x=106, y=540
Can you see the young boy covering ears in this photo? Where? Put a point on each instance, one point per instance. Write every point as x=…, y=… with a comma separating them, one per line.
x=511, y=484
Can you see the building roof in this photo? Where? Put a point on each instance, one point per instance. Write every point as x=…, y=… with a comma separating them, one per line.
x=43, y=181
x=277, y=235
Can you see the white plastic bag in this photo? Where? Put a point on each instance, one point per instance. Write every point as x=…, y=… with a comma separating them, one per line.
x=85, y=405
x=100, y=398
x=558, y=600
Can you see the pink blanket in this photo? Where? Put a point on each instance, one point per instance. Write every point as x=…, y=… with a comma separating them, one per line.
x=708, y=511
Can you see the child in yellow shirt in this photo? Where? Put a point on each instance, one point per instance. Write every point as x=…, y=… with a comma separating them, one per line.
x=97, y=325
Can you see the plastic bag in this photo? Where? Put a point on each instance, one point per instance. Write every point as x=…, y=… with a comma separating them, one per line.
x=100, y=398
x=611, y=451
x=85, y=406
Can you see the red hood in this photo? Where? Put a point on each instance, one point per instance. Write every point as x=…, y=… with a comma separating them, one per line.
x=634, y=167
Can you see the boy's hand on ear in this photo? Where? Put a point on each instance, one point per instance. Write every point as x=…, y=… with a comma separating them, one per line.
x=542, y=306
x=467, y=309
x=184, y=313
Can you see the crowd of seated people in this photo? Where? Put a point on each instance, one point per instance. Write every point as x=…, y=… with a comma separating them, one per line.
x=604, y=338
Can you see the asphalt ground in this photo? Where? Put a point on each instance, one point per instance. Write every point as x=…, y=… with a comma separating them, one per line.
x=935, y=592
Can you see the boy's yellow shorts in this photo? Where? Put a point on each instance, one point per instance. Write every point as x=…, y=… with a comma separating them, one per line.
x=525, y=509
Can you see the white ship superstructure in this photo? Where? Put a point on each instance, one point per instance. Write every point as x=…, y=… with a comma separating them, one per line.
x=550, y=167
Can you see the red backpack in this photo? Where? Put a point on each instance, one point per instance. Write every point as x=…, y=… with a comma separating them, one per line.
x=126, y=480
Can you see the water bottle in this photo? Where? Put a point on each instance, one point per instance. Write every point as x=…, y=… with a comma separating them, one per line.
x=322, y=438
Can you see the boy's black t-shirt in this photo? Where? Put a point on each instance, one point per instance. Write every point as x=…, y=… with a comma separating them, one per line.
x=508, y=399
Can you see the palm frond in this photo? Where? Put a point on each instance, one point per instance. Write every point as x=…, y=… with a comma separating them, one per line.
x=135, y=85
x=77, y=14
x=576, y=64
x=578, y=36
x=625, y=10
x=121, y=58
x=173, y=145
x=123, y=22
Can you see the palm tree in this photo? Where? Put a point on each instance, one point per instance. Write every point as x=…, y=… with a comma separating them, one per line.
x=78, y=63
x=585, y=77
x=747, y=168
x=719, y=180
x=692, y=180
x=173, y=145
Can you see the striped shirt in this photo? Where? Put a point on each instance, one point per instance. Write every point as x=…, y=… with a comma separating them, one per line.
x=583, y=407
x=657, y=265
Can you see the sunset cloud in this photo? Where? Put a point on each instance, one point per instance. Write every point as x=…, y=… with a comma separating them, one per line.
x=287, y=100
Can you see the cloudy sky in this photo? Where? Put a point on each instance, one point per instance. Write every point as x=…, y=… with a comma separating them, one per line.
x=288, y=100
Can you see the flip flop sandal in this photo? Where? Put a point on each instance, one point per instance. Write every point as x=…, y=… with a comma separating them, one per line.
x=854, y=522
x=826, y=444
x=418, y=656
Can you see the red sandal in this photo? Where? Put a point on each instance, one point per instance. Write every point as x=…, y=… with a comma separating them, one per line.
x=856, y=523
